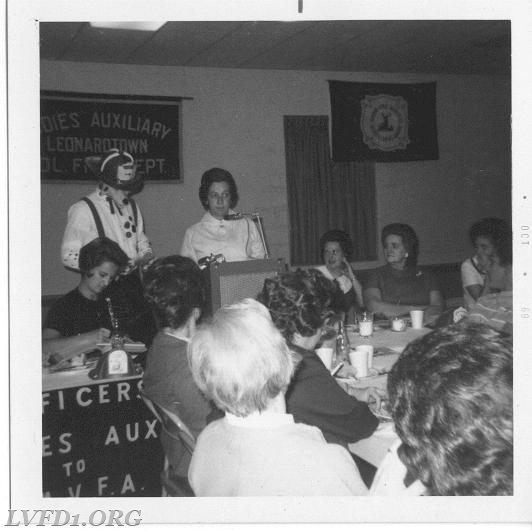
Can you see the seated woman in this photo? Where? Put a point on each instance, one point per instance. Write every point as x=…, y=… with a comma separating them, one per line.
x=235, y=239
x=451, y=401
x=80, y=320
x=336, y=250
x=400, y=286
x=490, y=269
x=174, y=290
x=243, y=363
x=299, y=304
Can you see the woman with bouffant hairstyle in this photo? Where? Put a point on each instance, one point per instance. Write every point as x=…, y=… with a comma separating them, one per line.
x=336, y=250
x=79, y=321
x=400, y=285
x=221, y=231
x=451, y=401
x=490, y=269
x=300, y=304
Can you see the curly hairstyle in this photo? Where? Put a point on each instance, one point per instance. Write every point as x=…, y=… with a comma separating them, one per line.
x=408, y=237
x=498, y=233
x=217, y=174
x=101, y=250
x=173, y=287
x=299, y=302
x=451, y=400
x=340, y=237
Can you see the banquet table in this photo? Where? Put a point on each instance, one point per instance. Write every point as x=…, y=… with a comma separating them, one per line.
x=98, y=437
x=387, y=346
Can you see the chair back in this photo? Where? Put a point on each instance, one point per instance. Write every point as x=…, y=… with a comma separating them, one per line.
x=171, y=423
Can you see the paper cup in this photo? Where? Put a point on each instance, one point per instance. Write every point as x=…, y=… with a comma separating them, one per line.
x=326, y=356
x=398, y=324
x=369, y=352
x=417, y=319
x=359, y=361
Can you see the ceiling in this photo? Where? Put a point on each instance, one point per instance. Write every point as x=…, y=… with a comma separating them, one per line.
x=417, y=46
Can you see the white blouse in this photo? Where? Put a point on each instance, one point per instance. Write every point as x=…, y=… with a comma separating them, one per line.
x=237, y=240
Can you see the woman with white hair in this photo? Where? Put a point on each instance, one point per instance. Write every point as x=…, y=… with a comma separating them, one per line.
x=241, y=362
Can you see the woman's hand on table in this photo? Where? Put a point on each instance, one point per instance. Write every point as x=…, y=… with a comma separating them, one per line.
x=57, y=348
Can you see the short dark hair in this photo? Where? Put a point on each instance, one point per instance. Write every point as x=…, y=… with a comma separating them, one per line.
x=299, y=301
x=498, y=233
x=217, y=174
x=100, y=250
x=340, y=237
x=451, y=400
x=408, y=237
x=173, y=287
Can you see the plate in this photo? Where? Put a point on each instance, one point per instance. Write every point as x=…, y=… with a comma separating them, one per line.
x=372, y=372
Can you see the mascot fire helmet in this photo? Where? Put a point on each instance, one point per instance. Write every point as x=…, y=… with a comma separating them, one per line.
x=115, y=168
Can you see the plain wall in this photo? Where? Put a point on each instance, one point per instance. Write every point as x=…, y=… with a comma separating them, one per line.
x=235, y=121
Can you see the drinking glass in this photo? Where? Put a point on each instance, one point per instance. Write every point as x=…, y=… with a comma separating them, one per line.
x=365, y=324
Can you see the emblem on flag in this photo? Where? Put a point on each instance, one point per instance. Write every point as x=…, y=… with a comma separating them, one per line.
x=384, y=122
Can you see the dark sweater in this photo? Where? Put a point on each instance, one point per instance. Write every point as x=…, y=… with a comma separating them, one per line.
x=315, y=398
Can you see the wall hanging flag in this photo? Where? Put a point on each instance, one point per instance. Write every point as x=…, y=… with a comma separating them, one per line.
x=383, y=122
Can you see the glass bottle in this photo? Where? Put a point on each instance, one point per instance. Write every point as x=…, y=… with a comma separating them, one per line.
x=342, y=343
x=117, y=338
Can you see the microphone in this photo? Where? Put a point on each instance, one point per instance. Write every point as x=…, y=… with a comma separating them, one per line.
x=238, y=215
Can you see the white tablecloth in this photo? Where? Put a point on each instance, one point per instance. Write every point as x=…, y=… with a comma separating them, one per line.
x=386, y=338
x=374, y=448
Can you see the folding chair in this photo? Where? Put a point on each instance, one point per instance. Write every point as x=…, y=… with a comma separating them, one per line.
x=175, y=429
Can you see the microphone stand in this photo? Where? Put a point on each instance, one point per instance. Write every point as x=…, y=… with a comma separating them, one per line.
x=256, y=217
x=253, y=217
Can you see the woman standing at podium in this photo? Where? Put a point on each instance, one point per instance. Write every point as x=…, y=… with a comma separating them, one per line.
x=221, y=230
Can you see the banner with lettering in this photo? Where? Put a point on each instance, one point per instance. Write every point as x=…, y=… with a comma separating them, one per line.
x=77, y=125
x=100, y=440
x=383, y=122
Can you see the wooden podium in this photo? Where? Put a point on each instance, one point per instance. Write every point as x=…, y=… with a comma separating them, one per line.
x=231, y=282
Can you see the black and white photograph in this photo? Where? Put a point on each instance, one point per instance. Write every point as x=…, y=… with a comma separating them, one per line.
x=275, y=258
